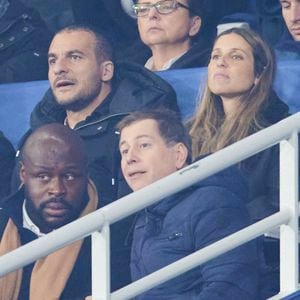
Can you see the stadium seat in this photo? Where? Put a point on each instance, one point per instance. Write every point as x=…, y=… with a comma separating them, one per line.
x=18, y=99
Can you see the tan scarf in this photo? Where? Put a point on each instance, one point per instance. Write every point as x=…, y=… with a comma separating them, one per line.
x=50, y=274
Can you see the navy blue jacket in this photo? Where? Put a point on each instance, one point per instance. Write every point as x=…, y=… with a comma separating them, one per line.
x=191, y=220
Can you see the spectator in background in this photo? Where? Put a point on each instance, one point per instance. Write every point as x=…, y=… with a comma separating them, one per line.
x=90, y=94
x=112, y=16
x=24, y=41
x=154, y=145
x=7, y=160
x=271, y=24
x=289, y=46
x=168, y=28
x=239, y=101
x=55, y=191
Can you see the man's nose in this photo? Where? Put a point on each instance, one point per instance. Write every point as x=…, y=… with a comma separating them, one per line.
x=57, y=187
x=295, y=13
x=60, y=66
x=132, y=156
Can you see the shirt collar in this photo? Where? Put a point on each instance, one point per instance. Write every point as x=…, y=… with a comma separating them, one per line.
x=28, y=224
x=149, y=63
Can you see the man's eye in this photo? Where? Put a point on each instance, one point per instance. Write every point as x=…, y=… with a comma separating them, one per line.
x=75, y=57
x=51, y=61
x=124, y=151
x=43, y=177
x=144, y=145
x=69, y=176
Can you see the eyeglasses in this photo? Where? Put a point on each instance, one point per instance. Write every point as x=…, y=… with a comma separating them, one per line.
x=164, y=7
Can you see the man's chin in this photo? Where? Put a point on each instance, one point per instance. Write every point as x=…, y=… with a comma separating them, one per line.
x=73, y=104
x=57, y=222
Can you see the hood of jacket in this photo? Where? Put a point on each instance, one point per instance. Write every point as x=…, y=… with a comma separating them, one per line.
x=230, y=179
x=133, y=88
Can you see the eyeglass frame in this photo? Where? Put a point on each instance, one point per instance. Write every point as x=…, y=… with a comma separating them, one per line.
x=155, y=5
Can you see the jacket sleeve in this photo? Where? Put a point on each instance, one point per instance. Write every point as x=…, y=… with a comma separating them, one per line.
x=7, y=158
x=233, y=275
x=262, y=173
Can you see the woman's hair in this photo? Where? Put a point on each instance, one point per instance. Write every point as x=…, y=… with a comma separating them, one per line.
x=210, y=129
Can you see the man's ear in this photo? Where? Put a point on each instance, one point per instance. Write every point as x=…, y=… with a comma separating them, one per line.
x=181, y=154
x=107, y=71
x=195, y=25
x=22, y=173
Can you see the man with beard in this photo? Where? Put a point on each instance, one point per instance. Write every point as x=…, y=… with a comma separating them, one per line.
x=91, y=94
x=55, y=191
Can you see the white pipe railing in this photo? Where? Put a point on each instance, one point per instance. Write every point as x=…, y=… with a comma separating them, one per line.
x=155, y=192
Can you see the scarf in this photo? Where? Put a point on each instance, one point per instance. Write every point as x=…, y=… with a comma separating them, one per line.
x=51, y=273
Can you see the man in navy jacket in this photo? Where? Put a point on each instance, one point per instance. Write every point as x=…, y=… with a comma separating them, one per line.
x=154, y=145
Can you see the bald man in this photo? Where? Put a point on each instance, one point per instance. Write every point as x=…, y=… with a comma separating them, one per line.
x=55, y=191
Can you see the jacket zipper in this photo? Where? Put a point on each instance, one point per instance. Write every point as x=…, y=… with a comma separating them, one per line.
x=101, y=120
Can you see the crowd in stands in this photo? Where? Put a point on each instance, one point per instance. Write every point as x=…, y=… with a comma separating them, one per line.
x=108, y=126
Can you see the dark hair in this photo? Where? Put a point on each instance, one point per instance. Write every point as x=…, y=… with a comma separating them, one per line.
x=169, y=125
x=196, y=8
x=103, y=46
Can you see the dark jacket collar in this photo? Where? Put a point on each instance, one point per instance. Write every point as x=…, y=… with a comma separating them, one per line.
x=230, y=178
x=287, y=43
x=134, y=88
x=275, y=109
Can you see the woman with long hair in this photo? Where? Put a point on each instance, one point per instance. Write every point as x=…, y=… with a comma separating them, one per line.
x=237, y=102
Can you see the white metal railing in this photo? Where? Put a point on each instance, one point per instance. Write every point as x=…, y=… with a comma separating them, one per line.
x=97, y=223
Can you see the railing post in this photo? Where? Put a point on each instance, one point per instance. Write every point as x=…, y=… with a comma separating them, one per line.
x=101, y=264
x=289, y=199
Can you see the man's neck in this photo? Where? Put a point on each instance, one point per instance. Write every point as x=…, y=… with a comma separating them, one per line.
x=162, y=54
x=74, y=117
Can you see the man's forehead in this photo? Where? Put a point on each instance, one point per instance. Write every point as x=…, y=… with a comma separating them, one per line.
x=75, y=39
x=146, y=128
x=136, y=138
x=51, y=150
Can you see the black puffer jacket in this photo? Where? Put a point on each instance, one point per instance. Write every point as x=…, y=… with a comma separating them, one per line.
x=135, y=88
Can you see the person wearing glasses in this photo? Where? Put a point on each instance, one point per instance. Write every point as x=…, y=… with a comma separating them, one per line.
x=169, y=28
